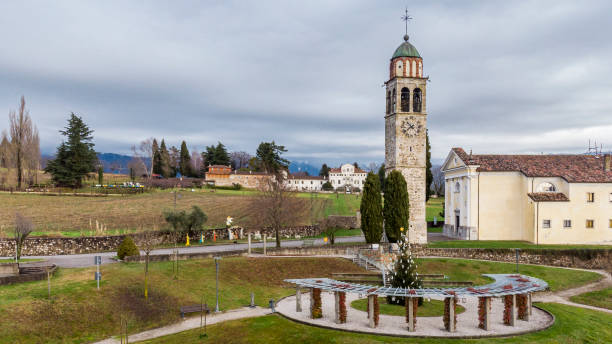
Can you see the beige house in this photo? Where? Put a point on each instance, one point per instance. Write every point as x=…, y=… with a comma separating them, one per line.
x=544, y=199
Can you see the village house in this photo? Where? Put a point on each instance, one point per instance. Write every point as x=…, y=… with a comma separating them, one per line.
x=347, y=177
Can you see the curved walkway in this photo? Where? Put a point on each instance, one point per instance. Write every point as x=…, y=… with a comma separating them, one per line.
x=192, y=323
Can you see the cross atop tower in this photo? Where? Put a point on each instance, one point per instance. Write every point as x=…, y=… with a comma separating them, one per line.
x=406, y=18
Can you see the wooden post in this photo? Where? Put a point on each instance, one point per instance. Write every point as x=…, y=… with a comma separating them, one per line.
x=451, y=314
x=250, y=245
x=264, y=243
x=311, y=301
x=371, y=310
x=487, y=318
x=337, y=306
x=410, y=309
x=298, y=296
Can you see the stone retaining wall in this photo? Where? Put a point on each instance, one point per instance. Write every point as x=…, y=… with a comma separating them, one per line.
x=584, y=258
x=55, y=246
x=346, y=222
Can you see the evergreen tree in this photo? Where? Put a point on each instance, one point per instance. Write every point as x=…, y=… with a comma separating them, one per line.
x=371, y=209
x=324, y=172
x=164, y=156
x=157, y=160
x=75, y=157
x=428, y=173
x=185, y=161
x=381, y=176
x=174, y=157
x=221, y=157
x=356, y=165
x=404, y=274
x=269, y=155
x=396, y=205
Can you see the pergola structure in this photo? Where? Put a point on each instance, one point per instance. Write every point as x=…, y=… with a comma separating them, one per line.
x=513, y=288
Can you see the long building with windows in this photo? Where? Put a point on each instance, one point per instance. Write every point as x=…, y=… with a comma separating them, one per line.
x=347, y=177
x=544, y=199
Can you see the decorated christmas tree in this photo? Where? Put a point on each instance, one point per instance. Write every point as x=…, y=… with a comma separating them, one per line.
x=404, y=274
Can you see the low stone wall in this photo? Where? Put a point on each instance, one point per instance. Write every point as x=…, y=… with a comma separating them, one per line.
x=78, y=245
x=346, y=222
x=585, y=259
x=9, y=269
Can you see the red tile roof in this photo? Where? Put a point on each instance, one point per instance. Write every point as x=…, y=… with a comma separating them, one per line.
x=548, y=197
x=573, y=168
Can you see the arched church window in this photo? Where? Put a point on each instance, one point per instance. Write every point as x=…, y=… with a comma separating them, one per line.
x=393, y=101
x=416, y=102
x=405, y=99
x=546, y=187
x=388, y=102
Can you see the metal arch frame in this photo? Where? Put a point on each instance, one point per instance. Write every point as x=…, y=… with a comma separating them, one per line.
x=504, y=284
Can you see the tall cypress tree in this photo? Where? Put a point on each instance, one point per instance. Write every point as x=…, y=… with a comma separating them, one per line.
x=164, y=157
x=75, y=157
x=157, y=166
x=371, y=209
x=428, y=173
x=396, y=208
x=185, y=161
x=381, y=176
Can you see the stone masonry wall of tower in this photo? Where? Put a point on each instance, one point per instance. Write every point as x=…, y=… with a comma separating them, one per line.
x=405, y=135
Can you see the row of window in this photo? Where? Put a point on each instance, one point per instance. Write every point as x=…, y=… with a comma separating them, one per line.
x=405, y=100
x=568, y=223
x=337, y=181
x=302, y=182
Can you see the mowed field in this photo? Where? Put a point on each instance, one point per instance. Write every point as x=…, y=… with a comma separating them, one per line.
x=70, y=215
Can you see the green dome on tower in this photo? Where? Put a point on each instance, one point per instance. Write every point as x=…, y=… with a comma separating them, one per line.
x=406, y=50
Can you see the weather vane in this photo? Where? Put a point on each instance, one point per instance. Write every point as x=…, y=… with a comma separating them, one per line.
x=406, y=18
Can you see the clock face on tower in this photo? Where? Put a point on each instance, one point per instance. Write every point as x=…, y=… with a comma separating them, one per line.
x=411, y=126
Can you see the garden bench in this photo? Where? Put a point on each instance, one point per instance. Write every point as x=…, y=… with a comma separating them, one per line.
x=308, y=242
x=194, y=309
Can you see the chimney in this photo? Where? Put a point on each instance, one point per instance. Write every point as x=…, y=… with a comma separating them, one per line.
x=607, y=162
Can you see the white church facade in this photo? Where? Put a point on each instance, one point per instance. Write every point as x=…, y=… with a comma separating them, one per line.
x=543, y=199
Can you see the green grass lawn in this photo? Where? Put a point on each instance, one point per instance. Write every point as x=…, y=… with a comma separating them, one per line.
x=22, y=260
x=601, y=298
x=80, y=313
x=433, y=308
x=572, y=325
x=434, y=208
x=507, y=244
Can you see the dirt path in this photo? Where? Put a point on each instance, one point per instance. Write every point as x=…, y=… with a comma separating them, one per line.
x=192, y=323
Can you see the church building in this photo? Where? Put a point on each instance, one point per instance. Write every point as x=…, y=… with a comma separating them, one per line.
x=543, y=199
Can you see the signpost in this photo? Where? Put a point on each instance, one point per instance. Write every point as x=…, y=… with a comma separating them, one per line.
x=98, y=275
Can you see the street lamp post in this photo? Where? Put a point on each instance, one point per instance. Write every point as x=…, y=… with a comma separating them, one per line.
x=217, y=284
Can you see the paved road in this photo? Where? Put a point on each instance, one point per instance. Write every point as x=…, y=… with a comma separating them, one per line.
x=85, y=260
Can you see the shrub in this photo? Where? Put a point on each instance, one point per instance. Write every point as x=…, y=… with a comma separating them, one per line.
x=127, y=248
x=327, y=187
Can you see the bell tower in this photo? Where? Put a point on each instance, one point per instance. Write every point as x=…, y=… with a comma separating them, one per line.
x=406, y=130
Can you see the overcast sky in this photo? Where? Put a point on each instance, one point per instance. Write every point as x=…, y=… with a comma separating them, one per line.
x=506, y=76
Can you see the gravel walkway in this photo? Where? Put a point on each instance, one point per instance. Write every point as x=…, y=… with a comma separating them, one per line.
x=192, y=323
x=467, y=322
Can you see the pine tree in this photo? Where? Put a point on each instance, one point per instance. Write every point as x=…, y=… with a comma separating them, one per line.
x=371, y=209
x=185, y=161
x=157, y=161
x=324, y=172
x=164, y=156
x=428, y=173
x=269, y=155
x=404, y=274
x=75, y=157
x=396, y=205
x=221, y=157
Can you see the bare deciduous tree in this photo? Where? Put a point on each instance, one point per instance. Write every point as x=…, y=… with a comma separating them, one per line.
x=24, y=141
x=277, y=206
x=437, y=185
x=23, y=228
x=142, y=152
x=240, y=159
x=147, y=241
